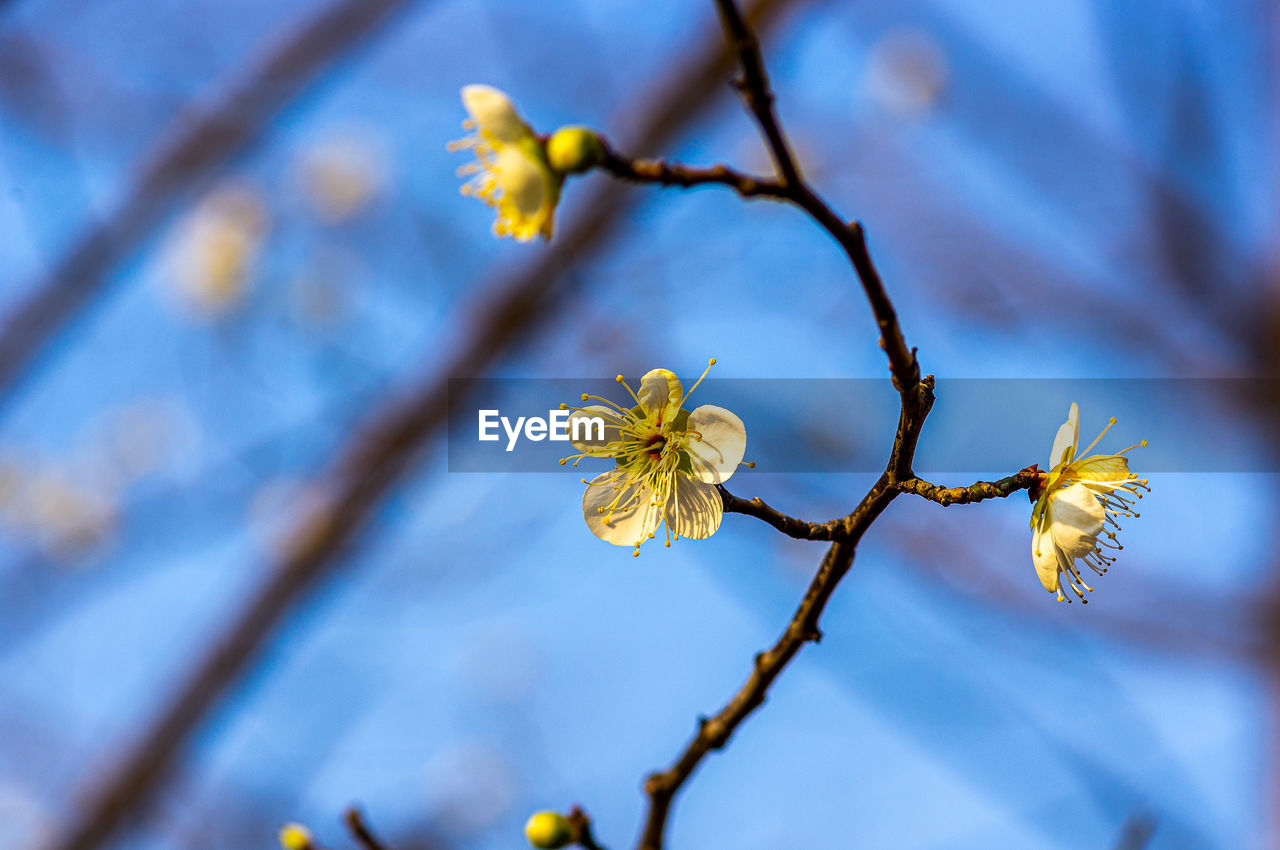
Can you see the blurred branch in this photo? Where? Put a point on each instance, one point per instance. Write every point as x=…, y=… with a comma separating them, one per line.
x=373, y=461
x=1137, y=832
x=360, y=831
x=194, y=146
x=580, y=824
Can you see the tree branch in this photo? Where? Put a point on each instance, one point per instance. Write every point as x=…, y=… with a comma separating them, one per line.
x=790, y=526
x=1026, y=479
x=580, y=824
x=360, y=831
x=754, y=88
x=714, y=733
x=674, y=174
x=916, y=397
x=790, y=185
x=835, y=529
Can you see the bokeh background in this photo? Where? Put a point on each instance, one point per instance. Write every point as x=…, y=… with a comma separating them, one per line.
x=237, y=275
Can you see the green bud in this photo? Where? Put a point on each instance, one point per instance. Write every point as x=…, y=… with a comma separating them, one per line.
x=548, y=830
x=572, y=150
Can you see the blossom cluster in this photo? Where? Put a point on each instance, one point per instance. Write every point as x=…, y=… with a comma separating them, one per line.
x=669, y=462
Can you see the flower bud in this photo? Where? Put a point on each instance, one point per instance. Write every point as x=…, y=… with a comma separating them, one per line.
x=548, y=830
x=295, y=836
x=572, y=150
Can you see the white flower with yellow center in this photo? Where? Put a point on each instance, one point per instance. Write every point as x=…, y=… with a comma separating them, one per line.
x=668, y=462
x=1079, y=498
x=511, y=172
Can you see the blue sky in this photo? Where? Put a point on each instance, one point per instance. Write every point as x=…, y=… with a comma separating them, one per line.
x=1077, y=190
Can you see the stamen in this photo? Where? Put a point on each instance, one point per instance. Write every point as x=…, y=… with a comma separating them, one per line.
x=710, y=363
x=624, y=411
x=632, y=392
x=1082, y=454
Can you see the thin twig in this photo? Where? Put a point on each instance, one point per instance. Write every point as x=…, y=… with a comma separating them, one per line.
x=835, y=529
x=790, y=186
x=788, y=525
x=754, y=88
x=1026, y=479
x=714, y=733
x=686, y=176
x=360, y=830
x=369, y=465
x=580, y=824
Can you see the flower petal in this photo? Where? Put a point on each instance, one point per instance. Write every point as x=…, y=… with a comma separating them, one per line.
x=1075, y=519
x=494, y=114
x=1109, y=469
x=1068, y=436
x=1044, y=557
x=525, y=184
x=696, y=510
x=660, y=390
x=629, y=526
x=580, y=424
x=724, y=441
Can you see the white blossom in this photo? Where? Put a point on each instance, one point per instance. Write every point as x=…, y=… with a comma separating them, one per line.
x=1075, y=514
x=511, y=173
x=668, y=461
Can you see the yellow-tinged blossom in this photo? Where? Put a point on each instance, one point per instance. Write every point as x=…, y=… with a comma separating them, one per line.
x=1080, y=497
x=511, y=173
x=667, y=462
